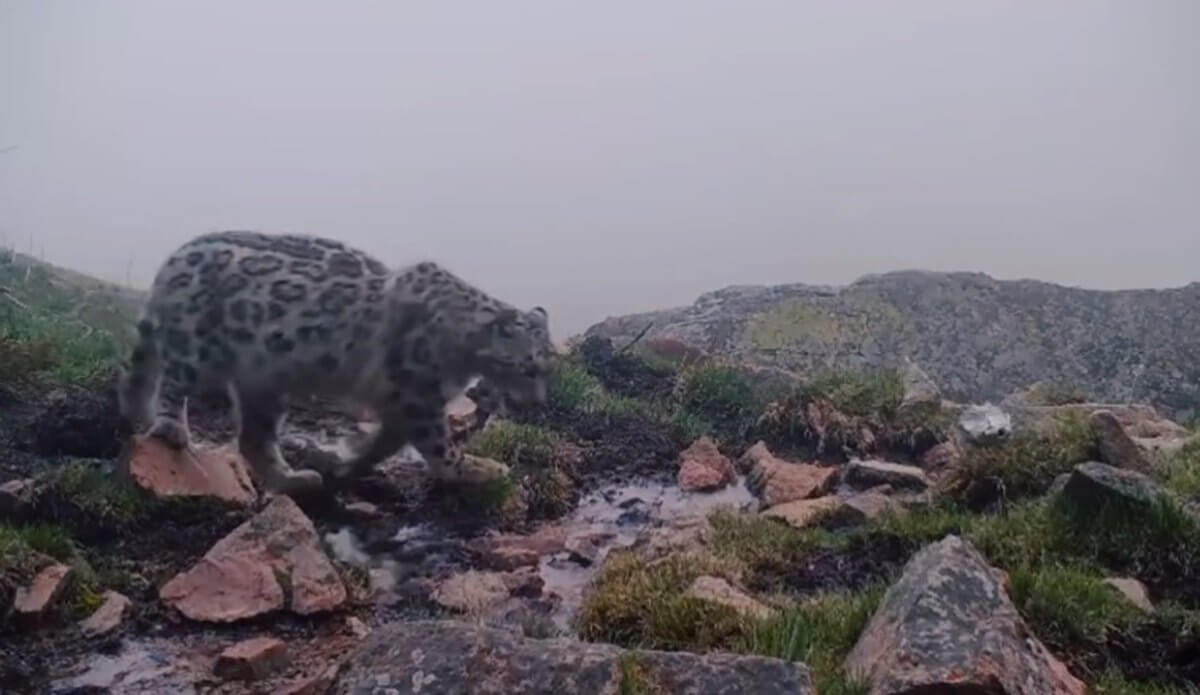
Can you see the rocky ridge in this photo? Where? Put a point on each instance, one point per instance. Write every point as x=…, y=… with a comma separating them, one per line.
x=978, y=337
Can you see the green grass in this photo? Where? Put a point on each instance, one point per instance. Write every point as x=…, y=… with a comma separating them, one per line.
x=1021, y=467
x=27, y=549
x=860, y=394
x=1114, y=683
x=721, y=396
x=513, y=442
x=1067, y=605
x=636, y=678
x=636, y=604
x=89, y=499
x=1181, y=472
x=818, y=631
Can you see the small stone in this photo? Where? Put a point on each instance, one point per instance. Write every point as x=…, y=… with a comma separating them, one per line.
x=775, y=481
x=217, y=473
x=16, y=498
x=461, y=414
x=586, y=549
x=718, y=590
x=108, y=616
x=984, y=423
x=1116, y=447
x=941, y=457
x=357, y=627
x=33, y=601
x=703, y=468
x=805, y=513
x=1133, y=590
x=472, y=591
x=363, y=510
x=862, y=508
x=864, y=474
x=252, y=659
x=508, y=551
x=526, y=582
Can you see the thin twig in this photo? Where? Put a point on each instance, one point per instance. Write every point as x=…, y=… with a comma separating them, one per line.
x=636, y=338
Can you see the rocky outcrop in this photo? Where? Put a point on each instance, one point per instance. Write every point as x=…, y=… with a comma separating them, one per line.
x=948, y=625
x=978, y=337
x=271, y=562
x=454, y=657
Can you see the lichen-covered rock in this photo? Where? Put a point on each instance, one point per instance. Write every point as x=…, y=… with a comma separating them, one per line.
x=703, y=468
x=947, y=625
x=1093, y=484
x=454, y=657
x=1117, y=448
x=863, y=507
x=272, y=561
x=867, y=474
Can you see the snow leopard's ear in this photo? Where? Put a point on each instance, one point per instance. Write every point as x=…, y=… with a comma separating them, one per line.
x=539, y=316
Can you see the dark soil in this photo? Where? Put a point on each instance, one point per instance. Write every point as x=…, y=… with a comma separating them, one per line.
x=1154, y=652
x=624, y=373
x=616, y=448
x=862, y=561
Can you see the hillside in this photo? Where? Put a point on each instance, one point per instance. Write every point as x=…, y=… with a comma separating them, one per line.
x=668, y=525
x=980, y=338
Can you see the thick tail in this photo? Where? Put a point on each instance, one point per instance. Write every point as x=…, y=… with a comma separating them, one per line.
x=138, y=379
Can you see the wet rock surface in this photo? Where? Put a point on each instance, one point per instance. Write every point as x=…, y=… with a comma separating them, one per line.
x=217, y=472
x=947, y=624
x=453, y=657
x=271, y=562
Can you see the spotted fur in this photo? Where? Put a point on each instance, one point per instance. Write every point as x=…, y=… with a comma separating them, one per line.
x=267, y=317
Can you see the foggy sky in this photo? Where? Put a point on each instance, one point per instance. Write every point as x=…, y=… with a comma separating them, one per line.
x=606, y=157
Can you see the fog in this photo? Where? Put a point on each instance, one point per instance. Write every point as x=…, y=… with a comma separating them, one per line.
x=602, y=158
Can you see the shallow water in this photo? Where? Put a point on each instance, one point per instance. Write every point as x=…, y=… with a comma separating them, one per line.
x=618, y=516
